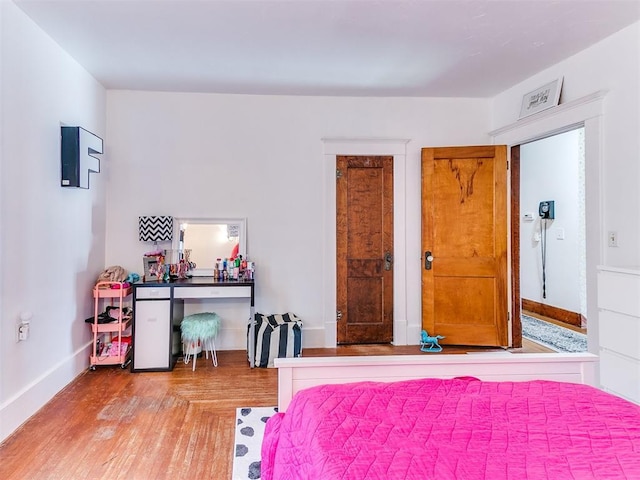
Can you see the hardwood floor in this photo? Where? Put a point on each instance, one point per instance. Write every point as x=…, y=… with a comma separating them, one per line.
x=113, y=424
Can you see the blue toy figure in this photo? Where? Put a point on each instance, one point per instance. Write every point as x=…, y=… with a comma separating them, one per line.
x=430, y=344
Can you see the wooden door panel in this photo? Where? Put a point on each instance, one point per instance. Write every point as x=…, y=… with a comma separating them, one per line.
x=364, y=211
x=365, y=268
x=470, y=305
x=364, y=230
x=464, y=217
x=458, y=294
x=482, y=267
x=464, y=221
x=364, y=308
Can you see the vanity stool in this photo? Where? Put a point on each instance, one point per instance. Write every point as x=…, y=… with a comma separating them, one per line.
x=200, y=329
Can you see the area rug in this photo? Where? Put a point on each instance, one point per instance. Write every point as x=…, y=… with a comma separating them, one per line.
x=250, y=422
x=553, y=336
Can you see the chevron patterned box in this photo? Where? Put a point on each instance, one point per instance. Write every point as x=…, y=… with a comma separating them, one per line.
x=155, y=229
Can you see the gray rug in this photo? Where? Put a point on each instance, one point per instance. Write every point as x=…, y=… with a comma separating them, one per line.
x=250, y=422
x=553, y=336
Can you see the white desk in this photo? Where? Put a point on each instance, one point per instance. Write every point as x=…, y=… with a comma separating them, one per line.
x=158, y=309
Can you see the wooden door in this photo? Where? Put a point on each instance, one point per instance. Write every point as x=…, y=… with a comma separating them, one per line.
x=364, y=250
x=464, y=227
x=516, y=311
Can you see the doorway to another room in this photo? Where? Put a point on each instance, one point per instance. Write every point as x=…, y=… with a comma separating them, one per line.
x=549, y=229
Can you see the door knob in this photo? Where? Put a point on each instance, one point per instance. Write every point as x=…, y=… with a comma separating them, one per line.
x=428, y=258
x=388, y=260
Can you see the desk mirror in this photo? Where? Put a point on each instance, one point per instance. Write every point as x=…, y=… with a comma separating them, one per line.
x=209, y=239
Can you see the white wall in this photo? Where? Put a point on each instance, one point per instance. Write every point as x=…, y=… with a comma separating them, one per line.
x=550, y=170
x=261, y=157
x=51, y=239
x=612, y=65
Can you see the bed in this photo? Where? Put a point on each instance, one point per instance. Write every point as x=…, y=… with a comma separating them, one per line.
x=492, y=416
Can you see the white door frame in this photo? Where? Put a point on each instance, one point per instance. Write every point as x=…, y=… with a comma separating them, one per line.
x=588, y=112
x=364, y=146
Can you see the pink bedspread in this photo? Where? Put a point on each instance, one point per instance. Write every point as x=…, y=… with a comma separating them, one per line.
x=453, y=429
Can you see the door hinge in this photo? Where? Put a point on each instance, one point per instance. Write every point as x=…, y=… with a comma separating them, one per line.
x=338, y=315
x=338, y=173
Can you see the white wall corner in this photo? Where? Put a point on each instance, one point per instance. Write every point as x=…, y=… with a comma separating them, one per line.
x=20, y=407
x=330, y=334
x=413, y=334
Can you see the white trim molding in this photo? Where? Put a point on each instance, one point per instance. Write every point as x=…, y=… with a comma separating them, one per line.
x=586, y=111
x=18, y=408
x=576, y=111
x=365, y=146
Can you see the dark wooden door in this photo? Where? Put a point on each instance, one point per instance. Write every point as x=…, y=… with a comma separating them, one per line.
x=364, y=250
x=464, y=227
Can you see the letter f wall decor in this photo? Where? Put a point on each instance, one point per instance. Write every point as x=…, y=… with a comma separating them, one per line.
x=78, y=147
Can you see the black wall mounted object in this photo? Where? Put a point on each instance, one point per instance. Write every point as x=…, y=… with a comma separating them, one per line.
x=547, y=210
x=77, y=149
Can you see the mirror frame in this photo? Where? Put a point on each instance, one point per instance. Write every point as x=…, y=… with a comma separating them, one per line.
x=241, y=222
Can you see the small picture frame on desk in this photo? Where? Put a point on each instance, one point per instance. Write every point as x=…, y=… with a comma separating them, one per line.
x=151, y=265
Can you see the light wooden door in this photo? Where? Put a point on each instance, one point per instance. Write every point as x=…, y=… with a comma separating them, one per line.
x=464, y=230
x=364, y=250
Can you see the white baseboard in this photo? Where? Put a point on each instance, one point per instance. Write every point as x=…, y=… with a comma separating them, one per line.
x=313, y=337
x=413, y=334
x=20, y=407
x=236, y=339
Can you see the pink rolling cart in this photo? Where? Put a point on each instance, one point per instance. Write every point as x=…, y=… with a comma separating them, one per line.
x=109, y=348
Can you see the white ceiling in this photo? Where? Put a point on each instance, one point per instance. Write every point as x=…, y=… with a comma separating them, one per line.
x=460, y=48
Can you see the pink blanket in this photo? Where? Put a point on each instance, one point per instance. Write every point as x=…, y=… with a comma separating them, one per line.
x=453, y=429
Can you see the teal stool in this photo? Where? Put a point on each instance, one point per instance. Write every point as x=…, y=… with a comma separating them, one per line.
x=200, y=329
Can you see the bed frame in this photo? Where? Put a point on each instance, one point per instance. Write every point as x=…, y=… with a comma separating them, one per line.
x=295, y=374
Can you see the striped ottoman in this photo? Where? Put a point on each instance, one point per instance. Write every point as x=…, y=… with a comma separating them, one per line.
x=277, y=336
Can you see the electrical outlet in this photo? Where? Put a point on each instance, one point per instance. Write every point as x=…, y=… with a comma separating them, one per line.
x=22, y=331
x=22, y=328
x=613, y=238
